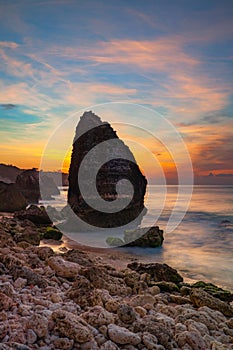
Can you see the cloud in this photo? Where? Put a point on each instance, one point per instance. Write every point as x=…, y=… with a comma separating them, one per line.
x=210, y=147
x=8, y=44
x=8, y=106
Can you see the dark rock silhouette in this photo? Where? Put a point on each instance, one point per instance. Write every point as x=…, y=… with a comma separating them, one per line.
x=35, y=214
x=141, y=237
x=33, y=188
x=90, y=132
x=11, y=198
x=28, y=184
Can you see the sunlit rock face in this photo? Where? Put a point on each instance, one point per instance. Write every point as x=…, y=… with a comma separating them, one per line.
x=115, y=162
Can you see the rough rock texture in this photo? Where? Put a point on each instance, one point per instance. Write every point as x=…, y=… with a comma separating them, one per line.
x=158, y=272
x=217, y=292
x=63, y=268
x=201, y=298
x=11, y=199
x=144, y=237
x=91, y=131
x=71, y=326
x=35, y=214
x=102, y=308
x=22, y=231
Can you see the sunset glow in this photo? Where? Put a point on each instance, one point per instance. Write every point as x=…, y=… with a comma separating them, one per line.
x=175, y=59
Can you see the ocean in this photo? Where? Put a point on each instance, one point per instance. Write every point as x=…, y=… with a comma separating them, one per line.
x=201, y=247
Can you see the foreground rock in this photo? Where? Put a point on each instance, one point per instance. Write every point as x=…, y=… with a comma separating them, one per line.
x=51, y=301
x=142, y=237
x=157, y=272
x=35, y=214
x=201, y=298
x=11, y=199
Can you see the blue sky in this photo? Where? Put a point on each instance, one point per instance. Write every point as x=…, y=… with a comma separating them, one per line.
x=57, y=57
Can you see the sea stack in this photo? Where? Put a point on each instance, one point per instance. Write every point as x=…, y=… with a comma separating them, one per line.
x=90, y=133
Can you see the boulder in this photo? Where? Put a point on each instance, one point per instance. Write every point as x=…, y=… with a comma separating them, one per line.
x=201, y=298
x=115, y=242
x=144, y=237
x=22, y=231
x=217, y=292
x=11, y=199
x=28, y=184
x=63, y=268
x=90, y=132
x=83, y=293
x=122, y=336
x=158, y=272
x=35, y=214
x=79, y=257
x=97, y=316
x=52, y=233
x=71, y=326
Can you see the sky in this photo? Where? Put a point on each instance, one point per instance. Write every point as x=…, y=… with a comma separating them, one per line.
x=58, y=57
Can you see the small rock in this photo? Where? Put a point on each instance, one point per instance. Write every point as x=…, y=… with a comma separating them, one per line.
x=97, y=316
x=20, y=283
x=5, y=302
x=63, y=268
x=126, y=313
x=39, y=324
x=141, y=300
x=71, y=326
x=201, y=298
x=109, y=345
x=150, y=341
x=63, y=343
x=121, y=335
x=31, y=336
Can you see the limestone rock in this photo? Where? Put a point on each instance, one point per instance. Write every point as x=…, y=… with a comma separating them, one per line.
x=144, y=237
x=79, y=257
x=5, y=302
x=158, y=272
x=39, y=324
x=91, y=131
x=71, y=326
x=222, y=294
x=126, y=313
x=83, y=293
x=11, y=199
x=62, y=267
x=98, y=316
x=35, y=214
x=121, y=335
x=201, y=298
x=102, y=278
x=28, y=184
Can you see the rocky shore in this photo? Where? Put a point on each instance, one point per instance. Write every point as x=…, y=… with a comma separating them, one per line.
x=81, y=300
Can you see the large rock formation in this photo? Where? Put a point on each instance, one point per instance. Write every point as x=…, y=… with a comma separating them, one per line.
x=11, y=198
x=28, y=184
x=90, y=132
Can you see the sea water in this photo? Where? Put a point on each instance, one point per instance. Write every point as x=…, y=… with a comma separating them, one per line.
x=201, y=247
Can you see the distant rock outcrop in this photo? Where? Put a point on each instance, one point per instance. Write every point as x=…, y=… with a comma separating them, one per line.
x=33, y=188
x=142, y=237
x=11, y=198
x=28, y=184
x=90, y=132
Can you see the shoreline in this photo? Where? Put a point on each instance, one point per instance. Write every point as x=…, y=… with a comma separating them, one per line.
x=114, y=256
